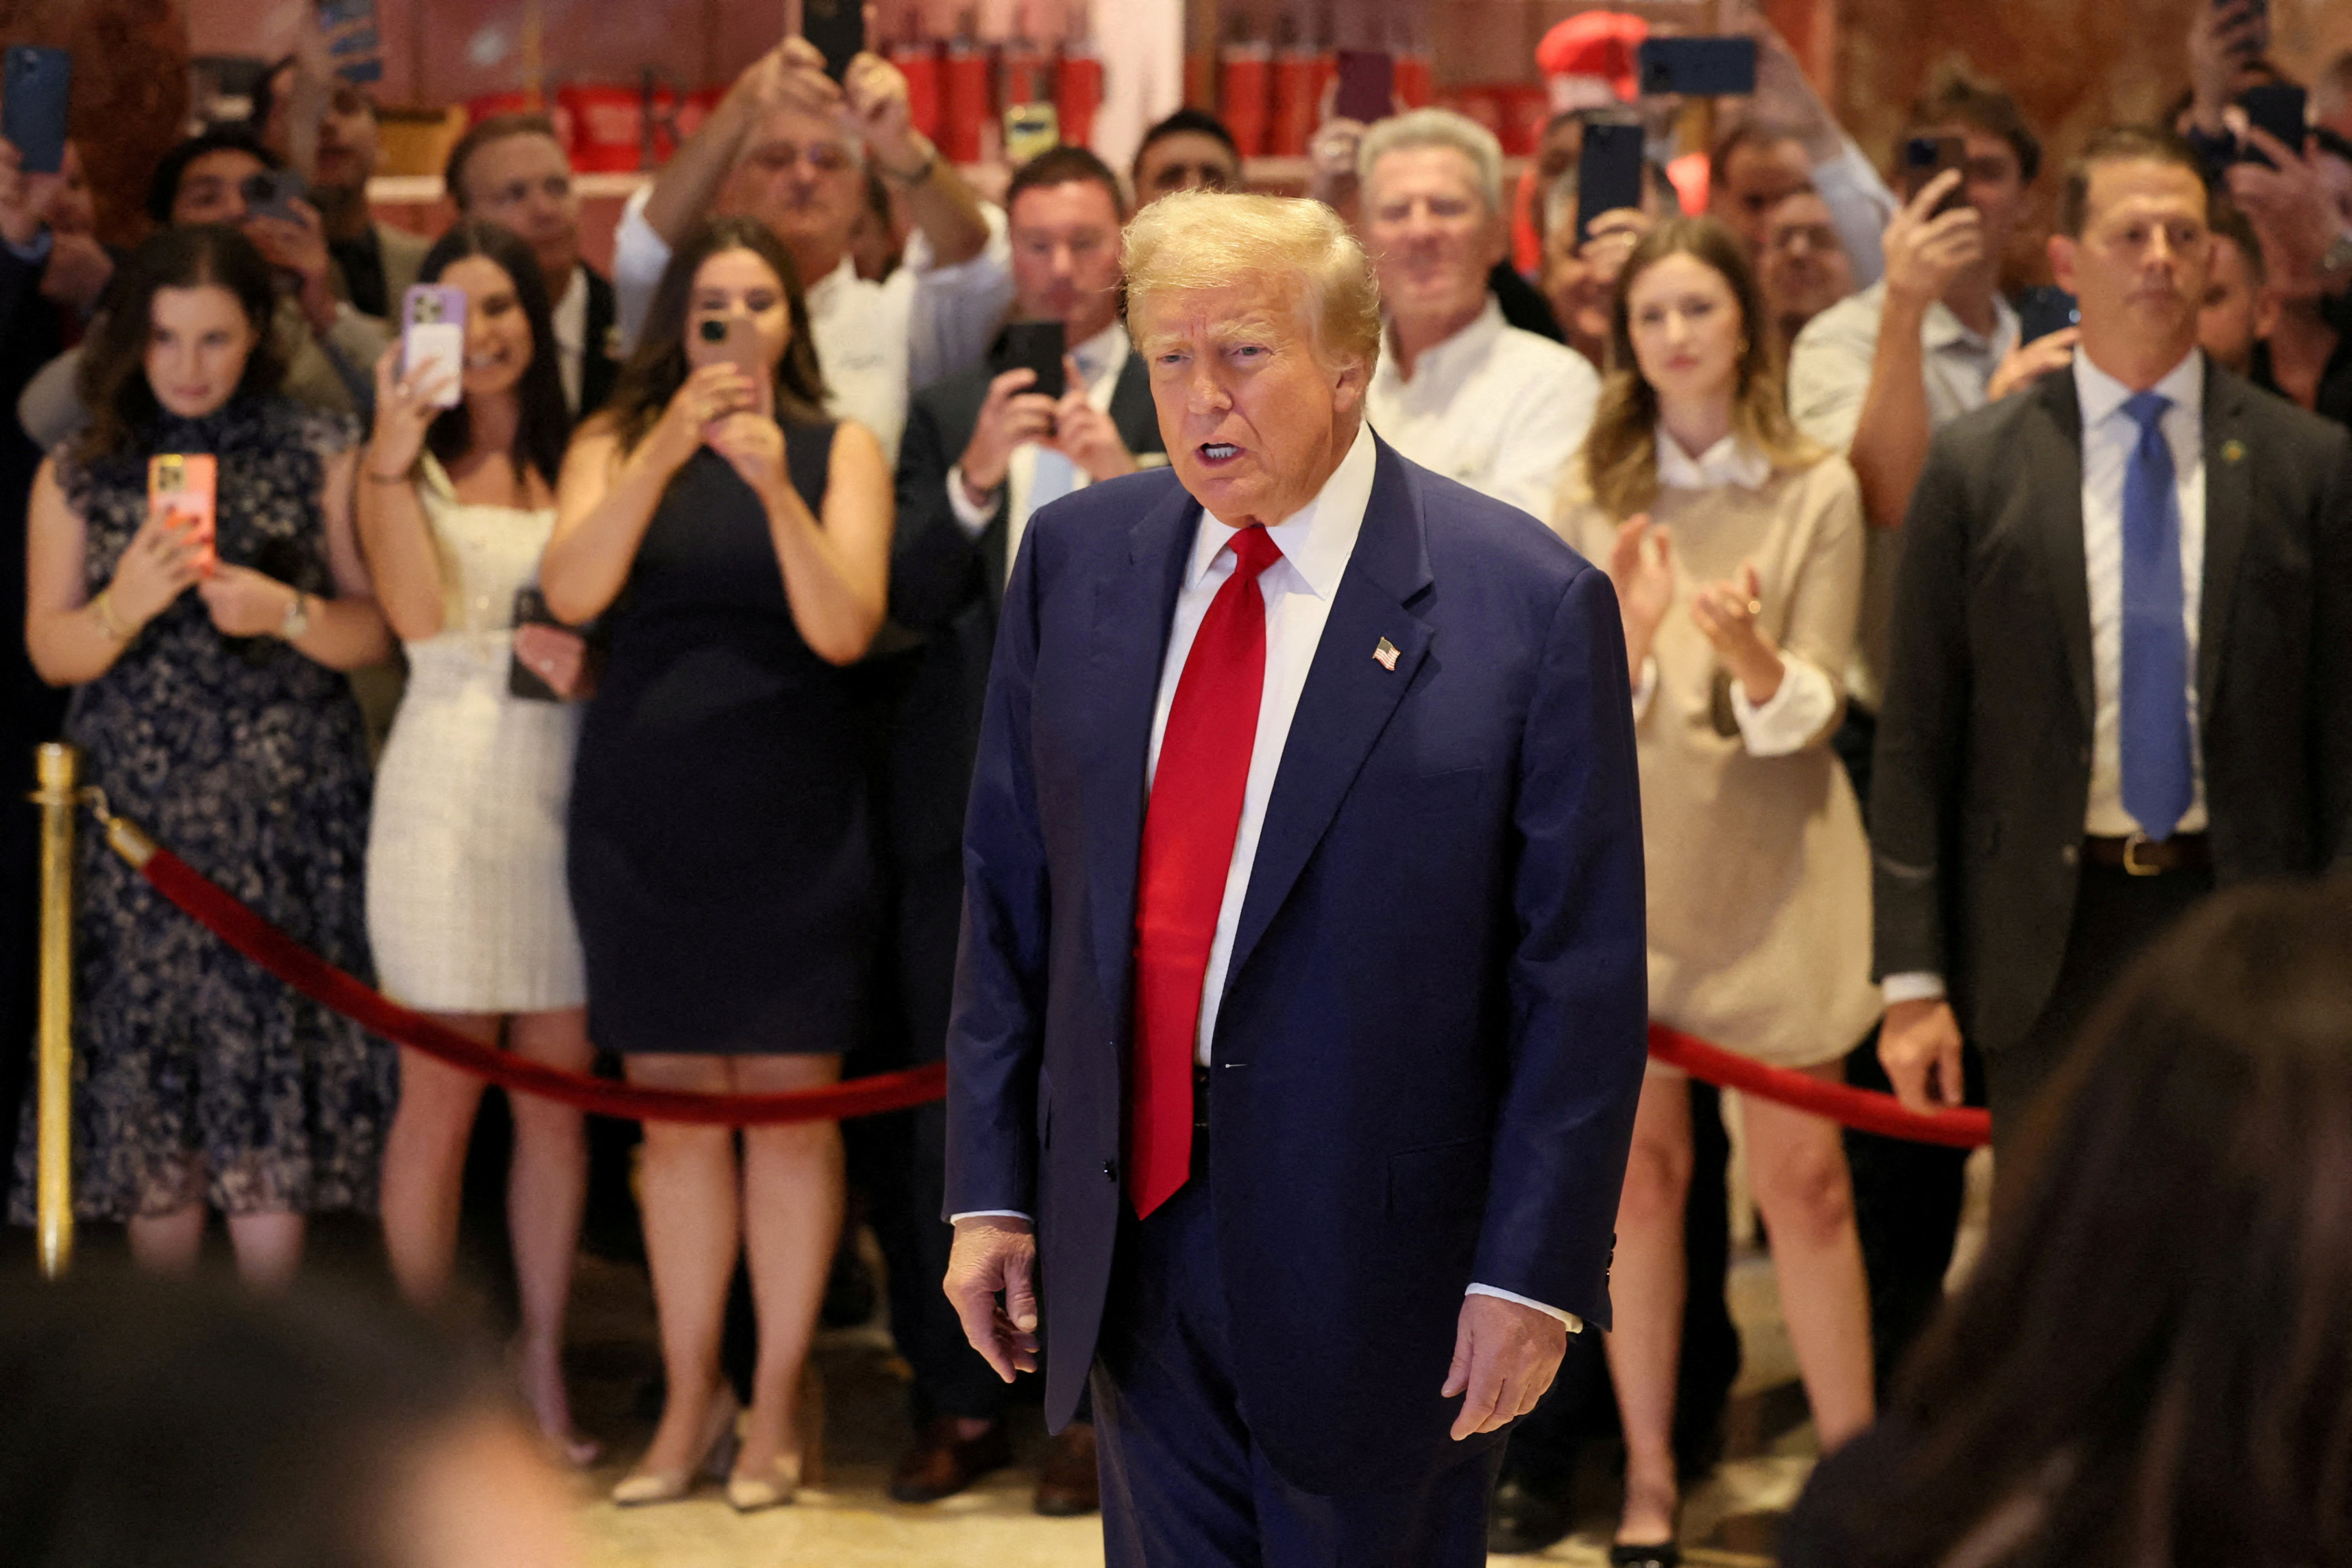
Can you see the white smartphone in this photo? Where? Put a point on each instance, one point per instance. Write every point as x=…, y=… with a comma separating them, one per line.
x=432, y=339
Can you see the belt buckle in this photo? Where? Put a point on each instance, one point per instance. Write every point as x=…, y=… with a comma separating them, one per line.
x=2133, y=865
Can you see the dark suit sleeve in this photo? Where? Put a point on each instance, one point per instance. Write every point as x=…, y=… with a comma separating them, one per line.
x=20, y=283
x=996, y=1036
x=1579, y=979
x=1922, y=727
x=2331, y=714
x=935, y=566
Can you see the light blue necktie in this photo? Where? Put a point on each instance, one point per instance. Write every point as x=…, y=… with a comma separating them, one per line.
x=2158, y=774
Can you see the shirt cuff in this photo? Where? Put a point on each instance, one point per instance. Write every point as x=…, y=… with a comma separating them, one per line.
x=1788, y=720
x=992, y=1214
x=1912, y=985
x=1575, y=1324
x=1647, y=689
x=975, y=518
x=35, y=250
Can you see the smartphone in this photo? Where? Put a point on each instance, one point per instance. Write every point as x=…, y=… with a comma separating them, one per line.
x=433, y=339
x=273, y=192
x=530, y=610
x=352, y=39
x=1037, y=346
x=2281, y=111
x=1924, y=157
x=732, y=340
x=33, y=106
x=183, y=492
x=1367, y=85
x=2044, y=311
x=837, y=28
x=1697, y=68
x=1030, y=129
x=1608, y=174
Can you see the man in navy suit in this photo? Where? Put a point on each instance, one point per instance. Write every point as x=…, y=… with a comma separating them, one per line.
x=1299, y=1017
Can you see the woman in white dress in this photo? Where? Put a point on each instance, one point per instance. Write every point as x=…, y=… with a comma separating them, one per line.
x=466, y=908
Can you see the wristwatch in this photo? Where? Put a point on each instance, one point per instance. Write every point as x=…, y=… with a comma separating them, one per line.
x=297, y=618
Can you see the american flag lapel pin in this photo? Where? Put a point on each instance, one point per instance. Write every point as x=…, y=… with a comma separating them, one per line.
x=1387, y=654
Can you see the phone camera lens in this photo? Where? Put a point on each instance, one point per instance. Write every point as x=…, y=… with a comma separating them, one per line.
x=714, y=331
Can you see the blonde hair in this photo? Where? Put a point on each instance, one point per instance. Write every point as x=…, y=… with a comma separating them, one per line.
x=1221, y=239
x=1438, y=127
x=1620, y=461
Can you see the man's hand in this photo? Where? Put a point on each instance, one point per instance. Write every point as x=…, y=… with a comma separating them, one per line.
x=1924, y=254
x=2221, y=40
x=24, y=198
x=2029, y=362
x=2293, y=213
x=875, y=108
x=297, y=246
x=1505, y=1356
x=1086, y=434
x=1920, y=1045
x=993, y=1253
x=1008, y=417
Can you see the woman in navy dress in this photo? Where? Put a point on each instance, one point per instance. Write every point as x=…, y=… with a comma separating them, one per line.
x=737, y=546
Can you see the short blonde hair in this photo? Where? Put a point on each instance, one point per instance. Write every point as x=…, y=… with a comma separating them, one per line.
x=1220, y=239
x=1437, y=128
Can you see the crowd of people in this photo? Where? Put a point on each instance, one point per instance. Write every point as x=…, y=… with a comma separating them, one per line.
x=621, y=691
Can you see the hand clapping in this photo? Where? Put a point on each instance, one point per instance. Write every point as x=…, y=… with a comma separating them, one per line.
x=1727, y=616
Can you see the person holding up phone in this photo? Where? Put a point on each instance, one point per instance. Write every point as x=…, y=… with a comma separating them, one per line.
x=790, y=145
x=736, y=545
x=468, y=915
x=211, y=705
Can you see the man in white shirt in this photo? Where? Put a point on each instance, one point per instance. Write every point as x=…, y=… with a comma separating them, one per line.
x=1457, y=390
x=982, y=453
x=2122, y=667
x=1299, y=1015
x=510, y=168
x=790, y=147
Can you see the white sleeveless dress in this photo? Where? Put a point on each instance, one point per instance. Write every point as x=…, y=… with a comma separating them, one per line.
x=467, y=911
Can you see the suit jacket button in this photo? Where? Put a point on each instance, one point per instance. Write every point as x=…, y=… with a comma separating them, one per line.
x=1110, y=1170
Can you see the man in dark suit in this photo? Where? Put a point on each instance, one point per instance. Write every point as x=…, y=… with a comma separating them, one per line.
x=512, y=169
x=1299, y=1019
x=2122, y=654
x=982, y=452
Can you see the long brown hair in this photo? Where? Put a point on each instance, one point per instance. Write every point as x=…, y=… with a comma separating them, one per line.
x=2150, y=1364
x=1620, y=453
x=112, y=380
x=659, y=367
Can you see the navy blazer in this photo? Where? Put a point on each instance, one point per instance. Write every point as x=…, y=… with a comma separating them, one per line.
x=1432, y=1036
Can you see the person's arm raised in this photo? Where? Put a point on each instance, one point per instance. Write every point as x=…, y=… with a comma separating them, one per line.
x=688, y=186
x=875, y=108
x=836, y=570
x=1924, y=253
x=72, y=634
x=394, y=534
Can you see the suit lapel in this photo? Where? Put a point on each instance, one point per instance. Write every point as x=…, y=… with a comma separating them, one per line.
x=1132, y=612
x=1349, y=697
x=2056, y=471
x=2229, y=505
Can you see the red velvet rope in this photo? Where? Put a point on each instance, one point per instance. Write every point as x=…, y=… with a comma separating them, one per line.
x=1860, y=1109
x=314, y=977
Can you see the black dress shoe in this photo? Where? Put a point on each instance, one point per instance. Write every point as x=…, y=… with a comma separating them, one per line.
x=1068, y=1483
x=1527, y=1516
x=942, y=1463
x=1665, y=1554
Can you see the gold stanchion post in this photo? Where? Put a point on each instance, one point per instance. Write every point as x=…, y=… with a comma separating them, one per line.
x=58, y=771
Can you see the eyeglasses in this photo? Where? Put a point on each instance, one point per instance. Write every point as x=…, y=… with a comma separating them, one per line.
x=823, y=157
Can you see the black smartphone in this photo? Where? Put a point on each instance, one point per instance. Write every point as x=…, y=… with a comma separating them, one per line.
x=2281, y=111
x=2042, y=311
x=1367, y=85
x=1608, y=174
x=273, y=192
x=1924, y=157
x=530, y=610
x=1697, y=68
x=33, y=106
x=837, y=28
x=1037, y=346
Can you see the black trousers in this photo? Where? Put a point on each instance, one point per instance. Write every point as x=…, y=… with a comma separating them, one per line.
x=1184, y=1483
x=2116, y=915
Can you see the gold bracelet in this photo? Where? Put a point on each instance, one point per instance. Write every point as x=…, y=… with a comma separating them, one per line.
x=104, y=605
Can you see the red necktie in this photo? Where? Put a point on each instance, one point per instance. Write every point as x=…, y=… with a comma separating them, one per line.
x=1188, y=851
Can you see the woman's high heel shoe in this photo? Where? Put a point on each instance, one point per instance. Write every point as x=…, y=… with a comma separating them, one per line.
x=640, y=1488
x=750, y=1493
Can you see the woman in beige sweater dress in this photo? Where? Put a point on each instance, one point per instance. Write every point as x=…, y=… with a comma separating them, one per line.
x=1735, y=548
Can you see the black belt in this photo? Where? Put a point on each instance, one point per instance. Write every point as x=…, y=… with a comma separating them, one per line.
x=2144, y=856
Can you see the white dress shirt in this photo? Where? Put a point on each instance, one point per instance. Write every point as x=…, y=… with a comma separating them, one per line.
x=1784, y=723
x=571, y=335
x=1316, y=543
x=875, y=341
x=1498, y=409
x=1100, y=360
x=2109, y=435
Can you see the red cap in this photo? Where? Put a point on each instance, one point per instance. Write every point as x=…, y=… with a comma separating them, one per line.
x=1595, y=43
